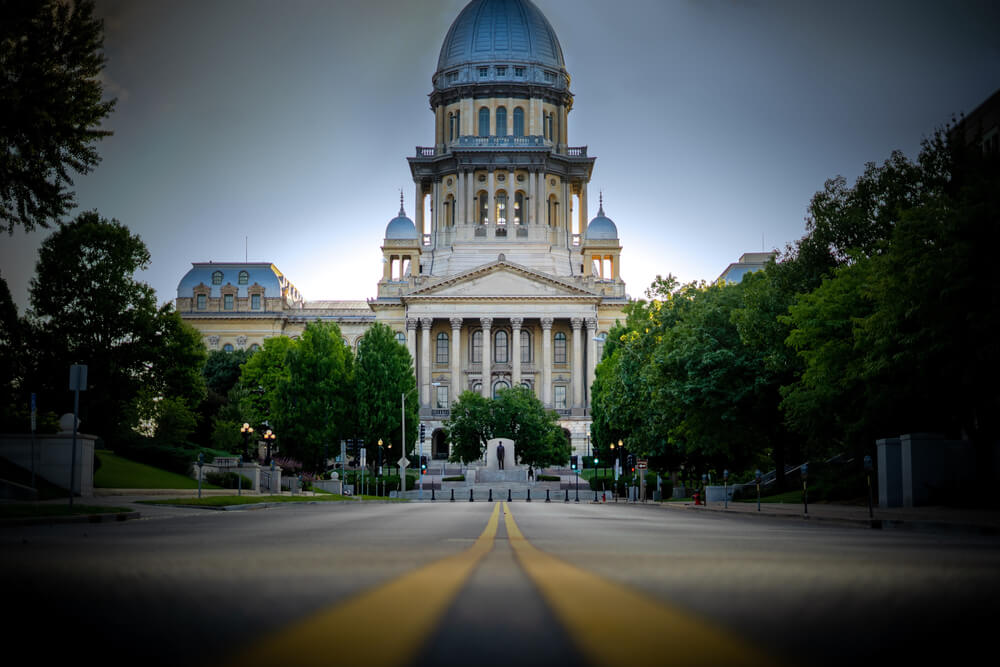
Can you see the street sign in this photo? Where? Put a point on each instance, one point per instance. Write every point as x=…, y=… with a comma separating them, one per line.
x=403, y=462
x=642, y=464
x=364, y=457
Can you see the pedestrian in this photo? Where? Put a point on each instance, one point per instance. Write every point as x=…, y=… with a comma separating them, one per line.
x=500, y=456
x=531, y=474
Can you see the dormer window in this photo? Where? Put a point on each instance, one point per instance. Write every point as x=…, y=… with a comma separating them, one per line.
x=519, y=71
x=227, y=301
x=451, y=77
x=550, y=77
x=202, y=301
x=484, y=72
x=501, y=70
x=217, y=278
x=244, y=277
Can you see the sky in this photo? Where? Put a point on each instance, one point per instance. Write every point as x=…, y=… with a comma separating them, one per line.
x=279, y=131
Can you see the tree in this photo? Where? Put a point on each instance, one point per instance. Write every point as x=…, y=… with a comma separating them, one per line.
x=515, y=413
x=51, y=57
x=383, y=375
x=318, y=395
x=87, y=307
x=469, y=427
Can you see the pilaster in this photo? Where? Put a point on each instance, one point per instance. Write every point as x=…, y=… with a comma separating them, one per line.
x=425, y=360
x=577, y=324
x=515, y=359
x=487, y=323
x=456, y=358
x=547, y=361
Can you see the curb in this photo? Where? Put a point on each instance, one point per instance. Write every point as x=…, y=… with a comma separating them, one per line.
x=874, y=524
x=104, y=517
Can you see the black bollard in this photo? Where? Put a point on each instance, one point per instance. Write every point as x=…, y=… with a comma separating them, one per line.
x=491, y=496
x=470, y=495
x=453, y=495
x=508, y=495
x=567, y=496
x=547, y=496
x=529, y=495
x=432, y=493
x=595, y=496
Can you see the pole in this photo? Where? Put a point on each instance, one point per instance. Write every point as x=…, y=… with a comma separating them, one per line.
x=32, y=440
x=72, y=464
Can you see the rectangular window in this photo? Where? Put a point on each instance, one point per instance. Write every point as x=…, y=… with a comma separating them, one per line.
x=484, y=72
x=525, y=347
x=202, y=302
x=442, y=398
x=228, y=301
x=518, y=71
x=255, y=301
x=559, y=348
x=501, y=71
x=550, y=77
x=441, y=355
x=560, y=396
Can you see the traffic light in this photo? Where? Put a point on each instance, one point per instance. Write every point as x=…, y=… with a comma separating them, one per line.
x=572, y=462
x=422, y=431
x=423, y=460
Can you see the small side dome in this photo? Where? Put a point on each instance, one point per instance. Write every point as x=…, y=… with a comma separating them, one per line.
x=401, y=227
x=602, y=228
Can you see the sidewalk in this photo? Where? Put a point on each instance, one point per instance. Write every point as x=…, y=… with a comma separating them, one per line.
x=944, y=519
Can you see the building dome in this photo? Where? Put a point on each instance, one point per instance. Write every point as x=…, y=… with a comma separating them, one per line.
x=401, y=227
x=501, y=32
x=601, y=228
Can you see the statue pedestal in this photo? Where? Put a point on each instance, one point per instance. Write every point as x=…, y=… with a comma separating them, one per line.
x=517, y=474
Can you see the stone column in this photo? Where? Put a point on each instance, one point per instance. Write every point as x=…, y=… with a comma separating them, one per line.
x=547, y=362
x=435, y=209
x=541, y=201
x=456, y=357
x=418, y=208
x=491, y=213
x=487, y=323
x=460, y=198
x=583, y=210
x=529, y=213
x=591, y=355
x=515, y=359
x=425, y=360
x=411, y=340
x=577, y=324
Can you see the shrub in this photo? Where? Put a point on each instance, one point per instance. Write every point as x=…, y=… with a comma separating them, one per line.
x=227, y=480
x=547, y=478
x=458, y=478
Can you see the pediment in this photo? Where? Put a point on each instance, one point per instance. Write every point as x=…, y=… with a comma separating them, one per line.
x=501, y=280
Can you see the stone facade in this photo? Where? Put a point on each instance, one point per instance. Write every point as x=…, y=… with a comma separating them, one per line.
x=503, y=283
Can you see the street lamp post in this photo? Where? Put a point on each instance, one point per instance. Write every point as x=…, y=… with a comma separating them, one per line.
x=247, y=432
x=269, y=441
x=379, y=466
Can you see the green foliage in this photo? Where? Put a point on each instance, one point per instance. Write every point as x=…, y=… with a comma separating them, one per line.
x=118, y=472
x=384, y=374
x=88, y=308
x=51, y=58
x=175, y=421
x=515, y=413
x=227, y=480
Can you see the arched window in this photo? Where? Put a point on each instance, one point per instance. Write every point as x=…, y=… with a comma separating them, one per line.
x=518, y=122
x=217, y=278
x=501, y=204
x=525, y=347
x=477, y=388
x=254, y=347
x=441, y=350
x=501, y=122
x=482, y=207
x=244, y=277
x=484, y=122
x=559, y=348
x=401, y=338
x=499, y=385
x=500, y=347
x=228, y=347
x=476, y=350
x=519, y=208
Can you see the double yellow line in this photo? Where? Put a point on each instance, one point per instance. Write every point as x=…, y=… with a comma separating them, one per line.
x=610, y=624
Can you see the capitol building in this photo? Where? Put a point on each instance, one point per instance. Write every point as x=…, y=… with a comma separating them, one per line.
x=505, y=282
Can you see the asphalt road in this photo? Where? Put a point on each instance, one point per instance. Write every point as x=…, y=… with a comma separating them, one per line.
x=345, y=583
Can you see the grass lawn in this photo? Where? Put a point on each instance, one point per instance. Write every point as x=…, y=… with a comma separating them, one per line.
x=33, y=510
x=223, y=501
x=786, y=497
x=119, y=473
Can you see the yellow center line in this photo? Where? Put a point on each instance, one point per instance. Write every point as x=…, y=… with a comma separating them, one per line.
x=613, y=625
x=385, y=625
